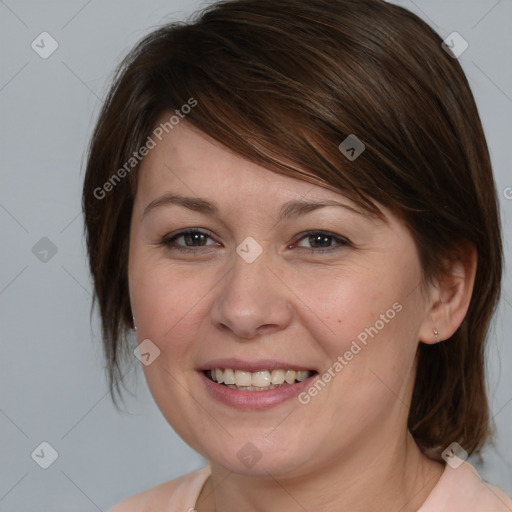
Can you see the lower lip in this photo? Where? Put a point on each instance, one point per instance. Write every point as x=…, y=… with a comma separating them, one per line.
x=254, y=399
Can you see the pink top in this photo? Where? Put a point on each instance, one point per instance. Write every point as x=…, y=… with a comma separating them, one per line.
x=458, y=490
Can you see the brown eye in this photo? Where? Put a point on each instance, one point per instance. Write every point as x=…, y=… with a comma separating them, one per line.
x=322, y=241
x=191, y=239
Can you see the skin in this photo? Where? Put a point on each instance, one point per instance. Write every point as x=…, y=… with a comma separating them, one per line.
x=348, y=448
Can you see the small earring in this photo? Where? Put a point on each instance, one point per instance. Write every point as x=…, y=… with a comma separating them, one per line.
x=436, y=334
x=134, y=326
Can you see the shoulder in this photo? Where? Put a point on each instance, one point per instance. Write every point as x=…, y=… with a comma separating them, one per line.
x=174, y=494
x=461, y=488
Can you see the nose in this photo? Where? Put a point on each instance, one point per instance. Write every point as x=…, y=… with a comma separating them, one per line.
x=252, y=300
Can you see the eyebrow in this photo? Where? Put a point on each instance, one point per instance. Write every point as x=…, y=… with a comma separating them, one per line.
x=291, y=209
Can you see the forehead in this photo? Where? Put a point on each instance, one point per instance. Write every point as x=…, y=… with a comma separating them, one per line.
x=188, y=162
x=186, y=157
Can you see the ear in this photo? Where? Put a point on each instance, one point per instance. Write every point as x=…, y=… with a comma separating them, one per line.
x=451, y=295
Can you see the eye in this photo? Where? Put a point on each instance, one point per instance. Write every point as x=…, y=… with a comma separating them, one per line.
x=193, y=239
x=322, y=242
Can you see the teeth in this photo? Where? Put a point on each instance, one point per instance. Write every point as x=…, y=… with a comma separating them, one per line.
x=261, y=379
x=277, y=376
x=302, y=375
x=289, y=376
x=241, y=378
x=229, y=376
x=257, y=381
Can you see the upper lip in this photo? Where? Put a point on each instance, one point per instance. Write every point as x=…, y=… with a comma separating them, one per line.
x=252, y=366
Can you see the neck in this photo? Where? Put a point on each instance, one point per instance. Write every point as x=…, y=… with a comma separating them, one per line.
x=378, y=478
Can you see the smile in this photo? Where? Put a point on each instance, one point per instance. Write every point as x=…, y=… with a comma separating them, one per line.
x=253, y=385
x=262, y=380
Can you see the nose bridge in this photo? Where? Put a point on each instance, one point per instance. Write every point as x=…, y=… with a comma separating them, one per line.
x=251, y=297
x=251, y=267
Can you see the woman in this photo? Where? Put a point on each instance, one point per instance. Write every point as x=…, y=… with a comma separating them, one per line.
x=292, y=204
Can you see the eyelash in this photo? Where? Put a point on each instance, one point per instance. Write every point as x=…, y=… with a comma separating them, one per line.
x=168, y=241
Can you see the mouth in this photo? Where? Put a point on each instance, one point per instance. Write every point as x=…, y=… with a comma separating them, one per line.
x=262, y=380
x=254, y=385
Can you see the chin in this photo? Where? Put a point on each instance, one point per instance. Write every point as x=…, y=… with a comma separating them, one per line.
x=253, y=458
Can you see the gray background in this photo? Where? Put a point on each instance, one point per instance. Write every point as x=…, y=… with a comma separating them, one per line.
x=52, y=384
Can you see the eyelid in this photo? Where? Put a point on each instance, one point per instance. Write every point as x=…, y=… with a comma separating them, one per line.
x=168, y=239
x=340, y=240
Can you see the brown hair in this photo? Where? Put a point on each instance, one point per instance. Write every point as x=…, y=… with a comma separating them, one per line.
x=288, y=81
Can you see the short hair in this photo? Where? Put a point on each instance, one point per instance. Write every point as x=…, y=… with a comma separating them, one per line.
x=288, y=81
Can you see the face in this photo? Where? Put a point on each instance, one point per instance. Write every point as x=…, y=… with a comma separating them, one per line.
x=311, y=315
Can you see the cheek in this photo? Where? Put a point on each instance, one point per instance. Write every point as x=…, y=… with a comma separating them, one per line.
x=367, y=325
x=356, y=306
x=167, y=302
